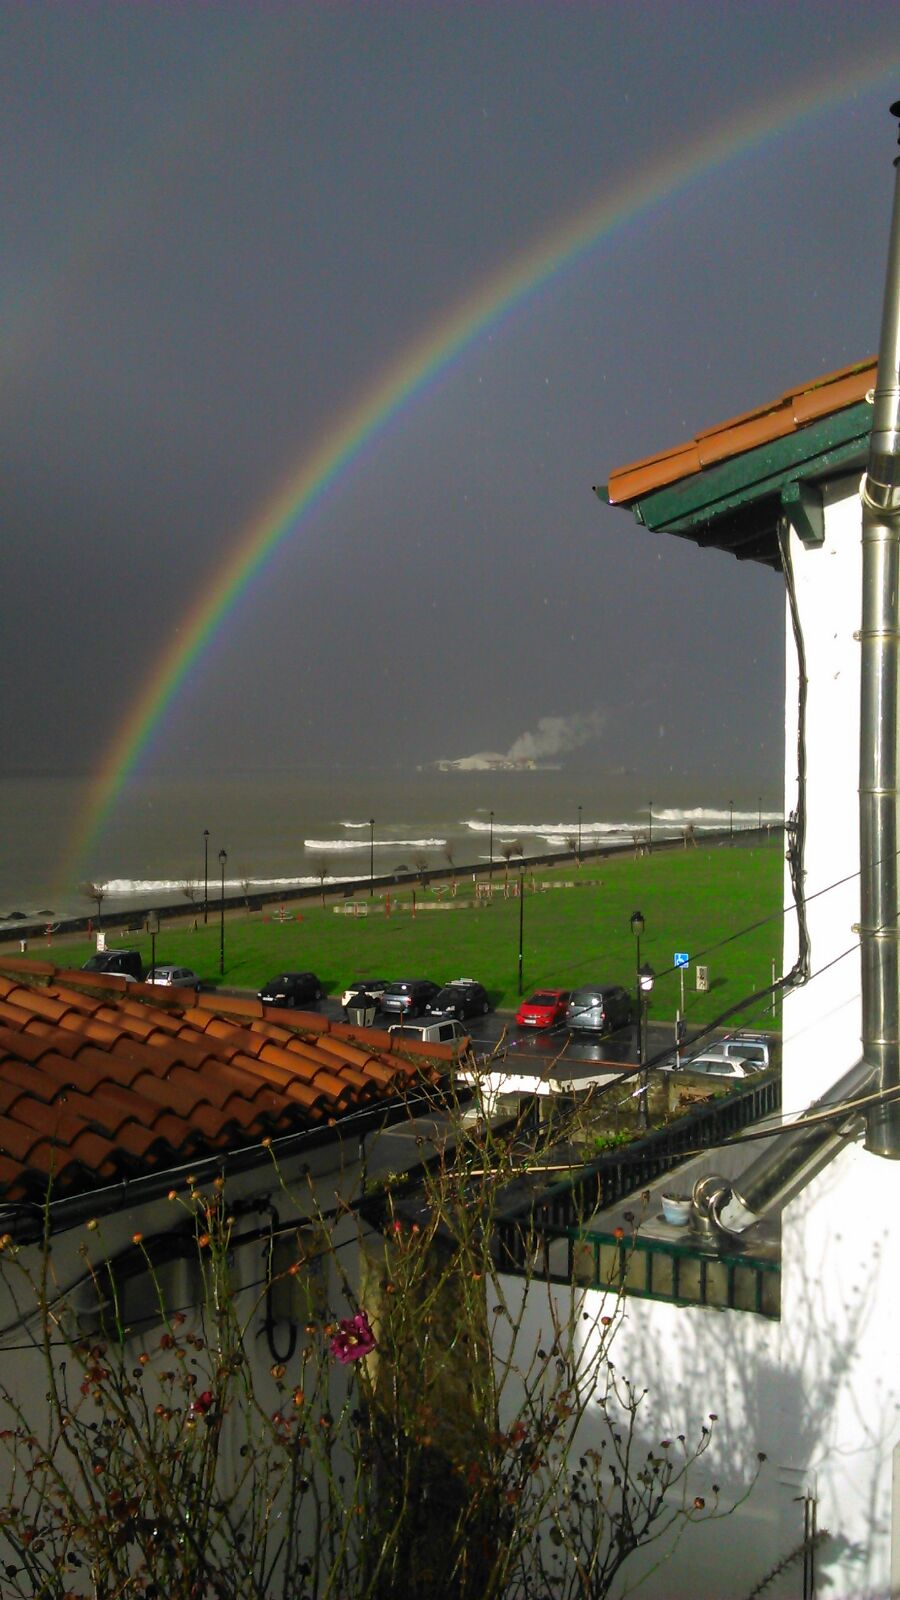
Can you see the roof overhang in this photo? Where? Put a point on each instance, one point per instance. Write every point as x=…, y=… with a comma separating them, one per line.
x=729, y=488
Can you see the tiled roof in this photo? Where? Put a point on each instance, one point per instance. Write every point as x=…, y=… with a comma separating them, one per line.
x=100, y=1082
x=793, y=410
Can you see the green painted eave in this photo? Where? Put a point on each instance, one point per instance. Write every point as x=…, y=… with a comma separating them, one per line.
x=735, y=505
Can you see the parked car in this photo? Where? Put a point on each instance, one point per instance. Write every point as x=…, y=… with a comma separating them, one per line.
x=719, y=1066
x=462, y=997
x=364, y=991
x=408, y=997
x=753, y=1049
x=544, y=1009
x=435, y=1030
x=122, y=963
x=599, y=1008
x=176, y=977
x=291, y=989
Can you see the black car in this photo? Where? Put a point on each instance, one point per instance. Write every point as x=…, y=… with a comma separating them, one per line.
x=408, y=997
x=461, y=998
x=599, y=1008
x=291, y=989
x=121, y=963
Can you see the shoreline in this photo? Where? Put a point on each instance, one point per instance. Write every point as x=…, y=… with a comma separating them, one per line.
x=135, y=919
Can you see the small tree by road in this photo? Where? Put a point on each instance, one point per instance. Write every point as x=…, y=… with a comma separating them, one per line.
x=97, y=893
x=509, y=848
x=321, y=868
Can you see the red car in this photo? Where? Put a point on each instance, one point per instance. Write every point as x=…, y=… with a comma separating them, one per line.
x=545, y=1008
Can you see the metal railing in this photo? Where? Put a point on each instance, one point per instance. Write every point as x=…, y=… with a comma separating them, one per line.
x=523, y=1234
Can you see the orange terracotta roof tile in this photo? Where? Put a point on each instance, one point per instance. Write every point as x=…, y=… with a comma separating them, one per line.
x=790, y=412
x=101, y=1081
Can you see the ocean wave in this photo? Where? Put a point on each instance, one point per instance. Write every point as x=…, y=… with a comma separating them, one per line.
x=550, y=830
x=715, y=816
x=667, y=817
x=154, y=886
x=380, y=844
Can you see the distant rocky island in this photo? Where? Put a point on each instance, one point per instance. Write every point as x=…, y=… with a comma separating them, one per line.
x=492, y=761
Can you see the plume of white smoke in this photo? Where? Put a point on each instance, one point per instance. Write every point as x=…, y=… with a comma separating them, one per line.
x=555, y=736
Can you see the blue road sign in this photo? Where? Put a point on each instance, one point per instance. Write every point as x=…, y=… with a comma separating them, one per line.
x=681, y=959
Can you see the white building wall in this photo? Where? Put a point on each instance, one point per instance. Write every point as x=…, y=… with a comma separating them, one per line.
x=841, y=1250
x=819, y=1391
x=822, y=1019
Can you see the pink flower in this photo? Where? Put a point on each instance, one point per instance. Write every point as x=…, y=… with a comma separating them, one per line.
x=353, y=1339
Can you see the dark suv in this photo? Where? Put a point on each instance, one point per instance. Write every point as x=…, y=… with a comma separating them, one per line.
x=461, y=998
x=408, y=997
x=599, y=1008
x=291, y=989
x=121, y=963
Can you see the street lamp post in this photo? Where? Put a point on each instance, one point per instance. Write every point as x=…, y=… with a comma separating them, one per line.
x=371, y=857
x=521, y=926
x=491, y=849
x=205, y=875
x=646, y=977
x=731, y=822
x=649, y=827
x=579, y=836
x=759, y=814
x=223, y=857
x=637, y=928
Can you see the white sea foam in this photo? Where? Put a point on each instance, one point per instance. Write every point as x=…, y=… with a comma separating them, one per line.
x=166, y=886
x=380, y=844
x=673, y=818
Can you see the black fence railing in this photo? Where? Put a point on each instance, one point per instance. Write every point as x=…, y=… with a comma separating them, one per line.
x=524, y=1231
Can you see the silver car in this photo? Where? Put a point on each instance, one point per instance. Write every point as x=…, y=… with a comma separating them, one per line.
x=599, y=1008
x=176, y=978
x=721, y=1066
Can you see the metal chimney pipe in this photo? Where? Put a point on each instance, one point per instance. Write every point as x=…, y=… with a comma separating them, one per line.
x=781, y=1172
x=879, y=704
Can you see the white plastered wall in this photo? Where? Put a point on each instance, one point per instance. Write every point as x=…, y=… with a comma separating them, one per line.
x=819, y=1391
x=841, y=1248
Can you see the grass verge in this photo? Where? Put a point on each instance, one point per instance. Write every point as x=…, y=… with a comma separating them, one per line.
x=723, y=906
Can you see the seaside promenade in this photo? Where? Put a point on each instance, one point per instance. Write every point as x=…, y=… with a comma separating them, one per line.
x=137, y=919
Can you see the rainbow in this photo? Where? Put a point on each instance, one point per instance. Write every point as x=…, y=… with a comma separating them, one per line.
x=398, y=385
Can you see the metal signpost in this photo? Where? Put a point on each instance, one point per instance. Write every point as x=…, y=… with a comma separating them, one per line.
x=681, y=960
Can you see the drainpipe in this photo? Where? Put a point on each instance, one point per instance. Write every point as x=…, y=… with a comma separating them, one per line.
x=879, y=705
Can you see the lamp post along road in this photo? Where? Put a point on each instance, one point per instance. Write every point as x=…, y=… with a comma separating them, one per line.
x=371, y=857
x=649, y=827
x=646, y=977
x=491, y=849
x=205, y=876
x=637, y=928
x=521, y=926
x=223, y=857
x=579, y=836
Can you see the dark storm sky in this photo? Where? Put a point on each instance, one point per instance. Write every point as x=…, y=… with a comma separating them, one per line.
x=221, y=223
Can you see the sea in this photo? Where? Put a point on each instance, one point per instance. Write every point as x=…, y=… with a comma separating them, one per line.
x=285, y=829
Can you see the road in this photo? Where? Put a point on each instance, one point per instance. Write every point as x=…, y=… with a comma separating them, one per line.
x=534, y=1049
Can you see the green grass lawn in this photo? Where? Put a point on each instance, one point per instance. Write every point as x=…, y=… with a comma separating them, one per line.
x=701, y=901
